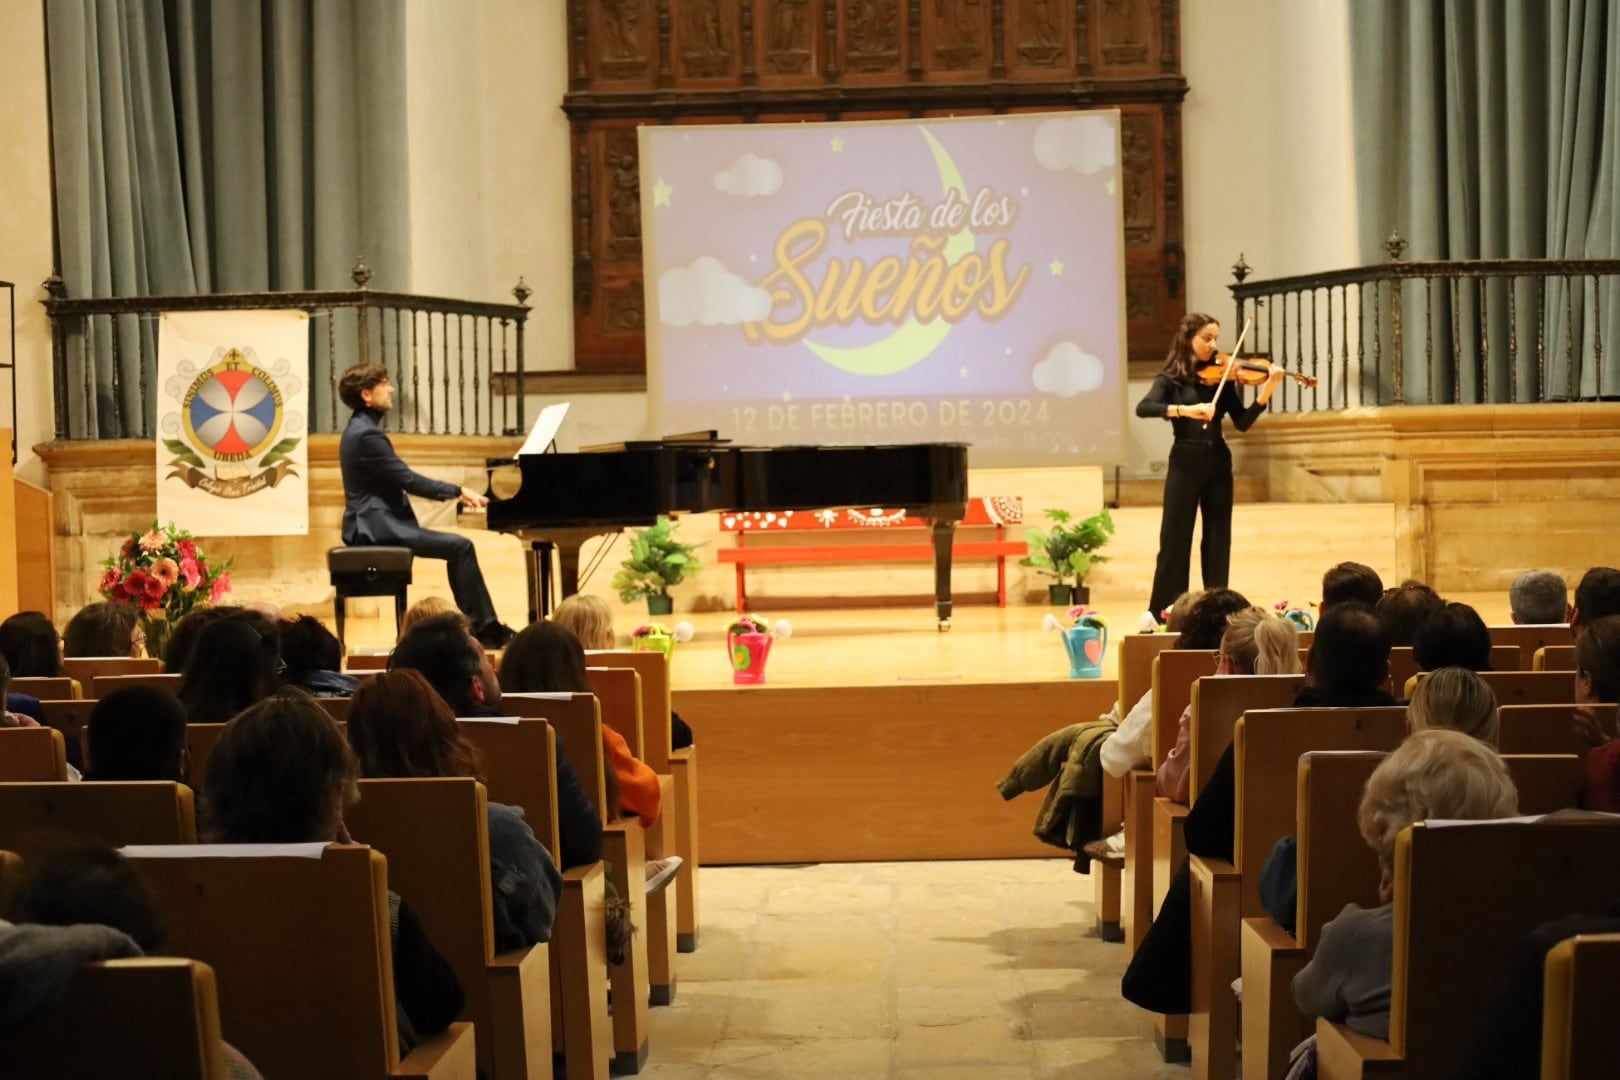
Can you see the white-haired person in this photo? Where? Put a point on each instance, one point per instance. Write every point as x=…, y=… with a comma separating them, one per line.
x=1539, y=597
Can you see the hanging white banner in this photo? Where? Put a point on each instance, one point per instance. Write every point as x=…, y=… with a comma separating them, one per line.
x=232, y=422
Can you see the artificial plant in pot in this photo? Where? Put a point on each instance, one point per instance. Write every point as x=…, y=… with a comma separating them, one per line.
x=1066, y=552
x=657, y=561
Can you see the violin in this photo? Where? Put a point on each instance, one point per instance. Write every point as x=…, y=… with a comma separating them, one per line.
x=1243, y=370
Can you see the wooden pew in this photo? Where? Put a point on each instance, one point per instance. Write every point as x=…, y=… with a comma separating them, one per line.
x=32, y=753
x=1403, y=665
x=70, y=716
x=620, y=693
x=1448, y=970
x=1520, y=687
x=1547, y=782
x=435, y=835
x=1336, y=867
x=11, y=871
x=1217, y=702
x=1268, y=744
x=102, y=685
x=84, y=669
x=1577, y=1040
x=152, y=1016
x=624, y=849
x=1541, y=729
x=1174, y=672
x=39, y=817
x=519, y=761
x=365, y=662
x=336, y=707
x=57, y=688
x=1531, y=636
x=1124, y=911
x=200, y=742
x=1554, y=658
x=301, y=948
x=654, y=669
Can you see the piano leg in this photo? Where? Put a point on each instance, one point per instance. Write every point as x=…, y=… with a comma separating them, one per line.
x=944, y=533
x=537, y=565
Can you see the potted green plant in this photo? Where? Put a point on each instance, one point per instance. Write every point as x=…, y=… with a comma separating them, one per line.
x=657, y=561
x=1066, y=552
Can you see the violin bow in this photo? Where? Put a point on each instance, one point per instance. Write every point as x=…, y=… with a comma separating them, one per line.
x=1226, y=369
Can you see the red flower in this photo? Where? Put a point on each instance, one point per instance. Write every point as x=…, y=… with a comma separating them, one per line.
x=135, y=584
x=109, y=582
x=155, y=587
x=128, y=550
x=187, y=549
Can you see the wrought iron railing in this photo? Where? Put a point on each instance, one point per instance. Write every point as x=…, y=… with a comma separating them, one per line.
x=1437, y=332
x=457, y=365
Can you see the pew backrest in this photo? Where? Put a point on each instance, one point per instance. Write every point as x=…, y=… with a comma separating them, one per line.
x=1136, y=653
x=1547, y=782
x=86, y=668
x=1336, y=866
x=654, y=669
x=1403, y=665
x=618, y=694
x=1217, y=702
x=36, y=818
x=1174, y=672
x=1578, y=993
x=102, y=685
x=1531, y=636
x=518, y=760
x=1540, y=729
x=70, y=716
x=1520, y=687
x=32, y=753
x=1554, y=658
x=57, y=687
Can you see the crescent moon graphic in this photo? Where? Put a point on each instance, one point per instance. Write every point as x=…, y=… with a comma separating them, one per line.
x=913, y=342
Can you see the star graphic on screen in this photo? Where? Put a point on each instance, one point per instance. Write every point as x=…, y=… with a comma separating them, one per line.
x=1111, y=187
x=964, y=373
x=1056, y=267
x=837, y=144
x=661, y=193
x=787, y=395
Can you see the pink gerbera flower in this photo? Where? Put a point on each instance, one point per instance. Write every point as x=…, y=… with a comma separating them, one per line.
x=191, y=573
x=167, y=571
x=153, y=541
x=187, y=549
x=109, y=581
x=221, y=586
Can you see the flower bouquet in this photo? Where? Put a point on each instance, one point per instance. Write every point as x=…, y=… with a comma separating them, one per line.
x=163, y=574
x=1298, y=614
x=748, y=643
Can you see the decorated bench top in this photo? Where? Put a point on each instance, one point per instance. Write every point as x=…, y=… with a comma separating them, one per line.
x=991, y=510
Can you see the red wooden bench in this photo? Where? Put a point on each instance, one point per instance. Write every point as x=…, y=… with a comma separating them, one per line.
x=996, y=512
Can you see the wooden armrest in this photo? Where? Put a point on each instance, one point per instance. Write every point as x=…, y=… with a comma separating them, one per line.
x=1268, y=934
x=514, y=960
x=1342, y=1054
x=1269, y=958
x=449, y=1055
x=1211, y=869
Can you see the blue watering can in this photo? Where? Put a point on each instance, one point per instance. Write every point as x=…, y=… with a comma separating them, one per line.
x=1086, y=642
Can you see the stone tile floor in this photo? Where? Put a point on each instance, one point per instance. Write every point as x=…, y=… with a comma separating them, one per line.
x=927, y=970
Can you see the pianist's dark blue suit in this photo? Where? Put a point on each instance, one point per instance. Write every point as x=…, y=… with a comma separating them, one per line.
x=376, y=511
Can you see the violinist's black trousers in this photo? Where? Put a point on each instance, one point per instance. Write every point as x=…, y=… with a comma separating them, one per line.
x=1200, y=476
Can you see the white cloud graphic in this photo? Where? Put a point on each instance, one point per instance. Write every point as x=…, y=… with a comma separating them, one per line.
x=750, y=176
x=707, y=294
x=1068, y=370
x=1085, y=144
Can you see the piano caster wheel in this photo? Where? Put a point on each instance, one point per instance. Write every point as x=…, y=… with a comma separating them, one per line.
x=944, y=625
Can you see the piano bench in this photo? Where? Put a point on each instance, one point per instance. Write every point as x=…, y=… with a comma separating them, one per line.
x=369, y=571
x=997, y=549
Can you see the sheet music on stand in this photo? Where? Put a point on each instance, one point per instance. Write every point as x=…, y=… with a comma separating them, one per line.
x=545, y=429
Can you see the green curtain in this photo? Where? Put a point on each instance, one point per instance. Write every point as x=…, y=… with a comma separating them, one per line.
x=1483, y=131
x=220, y=146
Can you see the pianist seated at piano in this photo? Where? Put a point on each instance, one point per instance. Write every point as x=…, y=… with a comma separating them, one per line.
x=376, y=511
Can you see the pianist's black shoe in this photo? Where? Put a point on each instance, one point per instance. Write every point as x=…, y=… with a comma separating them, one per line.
x=495, y=635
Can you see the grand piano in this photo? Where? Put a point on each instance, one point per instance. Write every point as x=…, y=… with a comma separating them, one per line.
x=565, y=499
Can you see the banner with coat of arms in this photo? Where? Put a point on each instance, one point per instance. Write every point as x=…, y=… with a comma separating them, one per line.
x=232, y=422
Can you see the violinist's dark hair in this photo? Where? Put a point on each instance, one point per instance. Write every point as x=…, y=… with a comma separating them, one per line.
x=1180, y=363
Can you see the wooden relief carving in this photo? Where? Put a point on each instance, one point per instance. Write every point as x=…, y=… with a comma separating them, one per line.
x=1040, y=38
x=707, y=41
x=787, y=37
x=1124, y=31
x=958, y=34
x=873, y=34
x=1141, y=294
x=624, y=195
x=1136, y=137
x=624, y=310
x=623, y=49
x=584, y=272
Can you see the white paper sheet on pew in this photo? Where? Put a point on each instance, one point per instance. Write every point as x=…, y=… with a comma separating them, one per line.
x=1563, y=815
x=311, y=850
x=543, y=695
x=487, y=719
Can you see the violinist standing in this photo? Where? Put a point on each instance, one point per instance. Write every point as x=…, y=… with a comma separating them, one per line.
x=1200, y=473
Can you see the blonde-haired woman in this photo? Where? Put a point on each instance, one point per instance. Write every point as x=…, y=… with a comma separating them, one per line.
x=588, y=617
x=1456, y=699
x=1255, y=643
x=425, y=608
x=1434, y=774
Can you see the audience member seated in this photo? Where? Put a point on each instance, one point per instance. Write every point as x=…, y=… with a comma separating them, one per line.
x=1454, y=636
x=398, y=727
x=1405, y=608
x=455, y=665
x=1596, y=597
x=1597, y=682
x=104, y=629
x=426, y=608
x=1349, y=661
x=235, y=664
x=591, y=620
x=30, y=645
x=282, y=773
x=1200, y=619
x=187, y=632
x=138, y=733
x=1539, y=597
x=314, y=658
x=1433, y=774
x=75, y=907
x=1351, y=581
x=546, y=658
x=1456, y=699
x=1255, y=643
